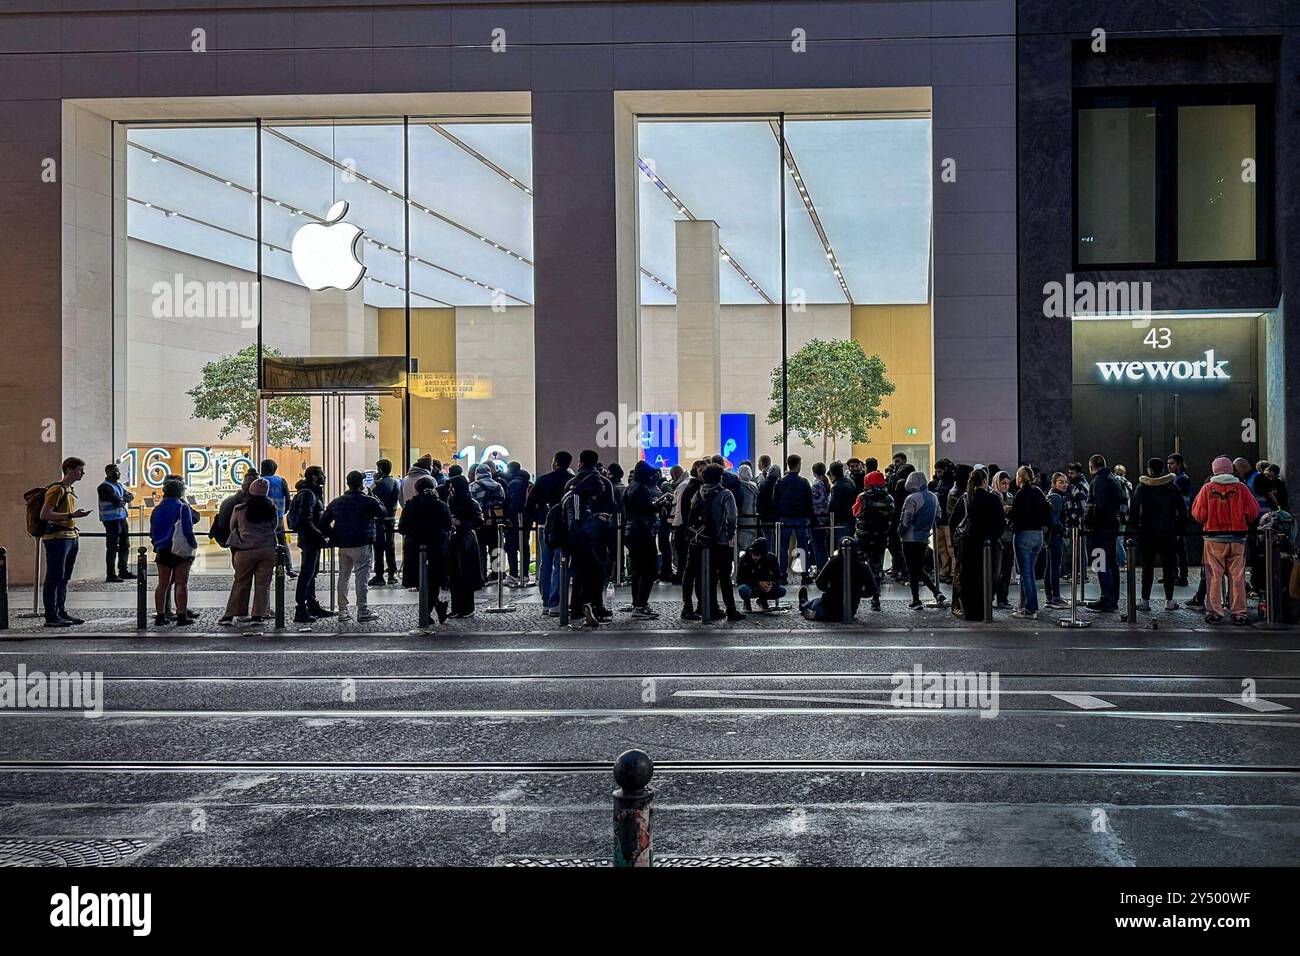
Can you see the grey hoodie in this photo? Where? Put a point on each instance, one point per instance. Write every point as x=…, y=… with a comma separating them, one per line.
x=920, y=509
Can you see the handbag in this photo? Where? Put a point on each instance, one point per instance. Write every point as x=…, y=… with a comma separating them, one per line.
x=180, y=545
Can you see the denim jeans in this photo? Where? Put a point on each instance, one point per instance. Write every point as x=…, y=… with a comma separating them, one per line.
x=1028, y=544
x=548, y=575
x=305, y=591
x=799, y=528
x=1108, y=576
x=60, y=557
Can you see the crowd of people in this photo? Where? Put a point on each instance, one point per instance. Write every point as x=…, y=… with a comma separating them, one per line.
x=688, y=527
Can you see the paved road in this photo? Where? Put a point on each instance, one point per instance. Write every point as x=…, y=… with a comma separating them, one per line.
x=1107, y=747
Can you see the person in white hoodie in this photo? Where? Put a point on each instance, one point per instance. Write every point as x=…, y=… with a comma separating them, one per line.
x=423, y=468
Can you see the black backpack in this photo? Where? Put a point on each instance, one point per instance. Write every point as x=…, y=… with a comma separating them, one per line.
x=701, y=522
x=556, y=530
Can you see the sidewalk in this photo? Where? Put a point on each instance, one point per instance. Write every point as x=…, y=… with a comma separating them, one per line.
x=110, y=608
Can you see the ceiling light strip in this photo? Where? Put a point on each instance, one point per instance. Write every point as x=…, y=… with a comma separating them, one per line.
x=684, y=210
x=654, y=278
x=370, y=181
x=811, y=209
x=518, y=183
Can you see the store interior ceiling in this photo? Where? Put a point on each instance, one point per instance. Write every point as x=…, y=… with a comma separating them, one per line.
x=857, y=200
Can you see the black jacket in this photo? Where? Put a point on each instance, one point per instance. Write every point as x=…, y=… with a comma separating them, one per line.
x=793, y=497
x=389, y=492
x=640, y=511
x=1157, y=508
x=843, y=494
x=875, y=516
x=518, y=484
x=1105, y=499
x=754, y=567
x=350, y=519
x=546, y=493
x=862, y=582
x=426, y=520
x=986, y=518
x=1030, y=510
x=306, y=512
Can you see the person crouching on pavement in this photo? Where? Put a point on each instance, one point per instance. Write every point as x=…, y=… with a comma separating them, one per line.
x=830, y=606
x=757, y=574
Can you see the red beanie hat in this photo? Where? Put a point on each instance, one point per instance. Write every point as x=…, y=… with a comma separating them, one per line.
x=874, y=478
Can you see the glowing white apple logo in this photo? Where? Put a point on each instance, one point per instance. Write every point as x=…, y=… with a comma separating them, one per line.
x=325, y=254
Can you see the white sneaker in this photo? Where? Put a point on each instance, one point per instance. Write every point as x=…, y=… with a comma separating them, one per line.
x=1171, y=605
x=1021, y=612
x=365, y=614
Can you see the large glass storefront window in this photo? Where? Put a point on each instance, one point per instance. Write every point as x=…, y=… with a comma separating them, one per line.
x=1117, y=185
x=784, y=286
x=386, y=311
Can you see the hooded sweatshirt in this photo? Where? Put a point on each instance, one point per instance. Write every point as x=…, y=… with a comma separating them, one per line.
x=920, y=509
x=408, y=483
x=486, y=490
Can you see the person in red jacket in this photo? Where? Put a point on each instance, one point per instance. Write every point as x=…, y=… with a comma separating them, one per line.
x=1225, y=509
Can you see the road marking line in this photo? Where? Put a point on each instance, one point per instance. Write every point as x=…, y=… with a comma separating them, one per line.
x=1259, y=704
x=1085, y=701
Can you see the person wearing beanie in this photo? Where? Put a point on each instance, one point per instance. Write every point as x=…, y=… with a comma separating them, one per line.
x=1225, y=509
x=252, y=542
x=1157, y=515
x=874, y=516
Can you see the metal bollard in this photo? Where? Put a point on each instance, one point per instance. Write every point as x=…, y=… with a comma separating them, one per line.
x=1073, y=619
x=987, y=596
x=281, y=557
x=525, y=555
x=706, y=586
x=141, y=590
x=4, y=590
x=502, y=607
x=618, y=551
x=36, y=583
x=633, y=809
x=425, y=620
x=1131, y=587
x=774, y=547
x=847, y=558
x=563, y=591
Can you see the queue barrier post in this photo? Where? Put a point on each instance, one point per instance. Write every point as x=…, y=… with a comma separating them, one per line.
x=1073, y=619
x=618, y=550
x=633, y=809
x=1271, y=618
x=848, y=556
x=141, y=590
x=706, y=586
x=36, y=581
x=563, y=595
x=1131, y=589
x=281, y=557
x=4, y=590
x=498, y=558
x=424, y=586
x=987, y=596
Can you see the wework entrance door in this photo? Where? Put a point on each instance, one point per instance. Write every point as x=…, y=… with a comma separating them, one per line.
x=1146, y=389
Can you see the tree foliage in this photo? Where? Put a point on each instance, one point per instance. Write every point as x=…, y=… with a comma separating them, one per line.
x=834, y=388
x=227, y=393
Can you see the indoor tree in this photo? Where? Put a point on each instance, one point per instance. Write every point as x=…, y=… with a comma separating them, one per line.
x=227, y=393
x=834, y=388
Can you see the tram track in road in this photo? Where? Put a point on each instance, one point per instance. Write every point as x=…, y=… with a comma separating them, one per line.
x=661, y=767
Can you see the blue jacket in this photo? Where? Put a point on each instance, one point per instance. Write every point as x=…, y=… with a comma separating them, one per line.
x=350, y=519
x=920, y=509
x=163, y=521
x=278, y=493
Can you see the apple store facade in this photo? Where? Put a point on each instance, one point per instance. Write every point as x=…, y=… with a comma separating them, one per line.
x=484, y=232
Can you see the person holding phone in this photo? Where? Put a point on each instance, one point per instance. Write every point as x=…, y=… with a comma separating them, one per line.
x=59, y=538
